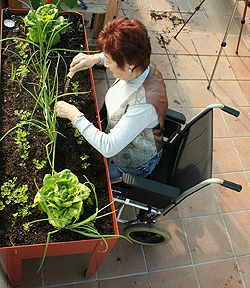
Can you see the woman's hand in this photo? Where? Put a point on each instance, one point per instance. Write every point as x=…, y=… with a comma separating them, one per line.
x=66, y=110
x=82, y=62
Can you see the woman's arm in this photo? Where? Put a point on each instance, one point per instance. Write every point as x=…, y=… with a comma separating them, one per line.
x=136, y=119
x=133, y=122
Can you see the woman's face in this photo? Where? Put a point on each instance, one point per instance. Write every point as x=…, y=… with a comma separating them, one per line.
x=118, y=72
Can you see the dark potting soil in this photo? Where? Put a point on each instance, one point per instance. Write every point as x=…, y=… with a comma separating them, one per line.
x=68, y=151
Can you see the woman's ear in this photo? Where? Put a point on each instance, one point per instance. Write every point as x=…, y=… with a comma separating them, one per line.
x=131, y=68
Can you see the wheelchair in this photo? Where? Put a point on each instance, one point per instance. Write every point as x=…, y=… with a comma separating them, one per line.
x=184, y=169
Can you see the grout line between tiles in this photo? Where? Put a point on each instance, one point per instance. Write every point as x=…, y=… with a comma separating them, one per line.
x=124, y=276
x=189, y=249
x=146, y=266
x=171, y=268
x=229, y=239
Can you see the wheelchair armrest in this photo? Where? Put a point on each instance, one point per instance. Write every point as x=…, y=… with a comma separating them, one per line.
x=175, y=116
x=145, y=191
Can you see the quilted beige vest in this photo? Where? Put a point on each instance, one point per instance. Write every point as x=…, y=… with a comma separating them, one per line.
x=150, y=141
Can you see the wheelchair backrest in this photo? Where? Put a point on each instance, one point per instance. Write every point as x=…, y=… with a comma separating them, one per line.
x=192, y=153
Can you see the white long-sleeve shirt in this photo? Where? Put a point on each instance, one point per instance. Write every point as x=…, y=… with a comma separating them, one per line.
x=134, y=121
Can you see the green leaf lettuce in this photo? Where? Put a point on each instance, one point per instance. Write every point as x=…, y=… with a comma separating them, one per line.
x=61, y=197
x=45, y=23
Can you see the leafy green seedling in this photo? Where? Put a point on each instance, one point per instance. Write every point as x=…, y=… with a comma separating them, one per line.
x=2, y=206
x=21, y=135
x=84, y=158
x=79, y=137
x=25, y=211
x=22, y=70
x=23, y=115
x=75, y=86
x=15, y=195
x=39, y=165
x=26, y=226
x=22, y=47
x=23, y=144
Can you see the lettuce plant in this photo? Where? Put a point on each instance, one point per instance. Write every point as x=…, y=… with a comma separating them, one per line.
x=50, y=24
x=61, y=197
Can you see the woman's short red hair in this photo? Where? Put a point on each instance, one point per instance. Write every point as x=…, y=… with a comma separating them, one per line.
x=126, y=40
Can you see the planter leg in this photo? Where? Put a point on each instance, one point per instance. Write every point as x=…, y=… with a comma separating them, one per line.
x=98, y=256
x=13, y=266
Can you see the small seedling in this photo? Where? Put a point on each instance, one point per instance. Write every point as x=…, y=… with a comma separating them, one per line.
x=75, y=86
x=22, y=70
x=21, y=135
x=15, y=195
x=26, y=226
x=2, y=206
x=84, y=158
x=25, y=211
x=78, y=136
x=23, y=144
x=22, y=47
x=23, y=115
x=39, y=165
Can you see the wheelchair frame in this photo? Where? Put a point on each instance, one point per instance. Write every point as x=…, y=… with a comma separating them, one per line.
x=148, y=214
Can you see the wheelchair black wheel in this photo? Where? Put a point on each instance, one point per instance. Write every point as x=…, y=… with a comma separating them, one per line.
x=147, y=234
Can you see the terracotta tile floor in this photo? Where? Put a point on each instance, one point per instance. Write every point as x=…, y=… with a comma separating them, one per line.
x=210, y=245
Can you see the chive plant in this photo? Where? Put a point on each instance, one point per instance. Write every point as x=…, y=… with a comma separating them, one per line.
x=44, y=31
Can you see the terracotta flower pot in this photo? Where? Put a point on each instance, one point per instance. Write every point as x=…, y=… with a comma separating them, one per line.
x=12, y=256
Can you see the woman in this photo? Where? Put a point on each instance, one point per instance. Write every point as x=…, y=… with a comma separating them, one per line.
x=136, y=103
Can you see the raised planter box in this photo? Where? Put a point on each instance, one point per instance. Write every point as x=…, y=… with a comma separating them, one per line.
x=12, y=256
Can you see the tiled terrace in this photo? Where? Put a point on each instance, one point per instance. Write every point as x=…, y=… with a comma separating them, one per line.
x=210, y=245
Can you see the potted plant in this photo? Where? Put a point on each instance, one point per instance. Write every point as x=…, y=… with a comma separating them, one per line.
x=35, y=144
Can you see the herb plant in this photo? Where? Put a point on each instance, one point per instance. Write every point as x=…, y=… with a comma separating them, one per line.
x=15, y=195
x=75, y=86
x=78, y=136
x=22, y=70
x=21, y=135
x=22, y=47
x=85, y=164
x=22, y=143
x=39, y=165
x=23, y=115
